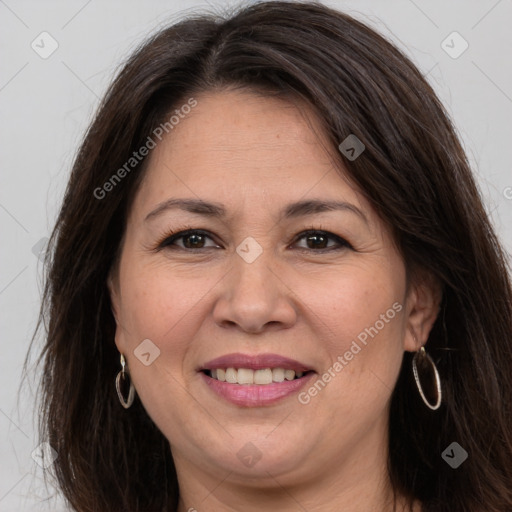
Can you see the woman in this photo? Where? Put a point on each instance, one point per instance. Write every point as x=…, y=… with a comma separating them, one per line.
x=273, y=284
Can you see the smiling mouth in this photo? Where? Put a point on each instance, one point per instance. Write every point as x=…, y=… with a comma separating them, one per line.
x=248, y=376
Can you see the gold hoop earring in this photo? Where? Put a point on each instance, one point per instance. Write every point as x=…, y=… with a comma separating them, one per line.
x=422, y=359
x=123, y=374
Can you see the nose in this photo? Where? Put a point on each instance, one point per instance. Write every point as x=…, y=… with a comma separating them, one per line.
x=254, y=297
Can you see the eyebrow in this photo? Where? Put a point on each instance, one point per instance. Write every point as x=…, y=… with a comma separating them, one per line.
x=292, y=210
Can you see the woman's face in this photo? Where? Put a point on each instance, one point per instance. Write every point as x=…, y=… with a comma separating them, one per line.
x=254, y=289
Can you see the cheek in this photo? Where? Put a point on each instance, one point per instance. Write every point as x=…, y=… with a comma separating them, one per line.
x=362, y=318
x=164, y=307
x=160, y=303
x=362, y=298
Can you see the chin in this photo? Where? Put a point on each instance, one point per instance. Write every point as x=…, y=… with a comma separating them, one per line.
x=261, y=456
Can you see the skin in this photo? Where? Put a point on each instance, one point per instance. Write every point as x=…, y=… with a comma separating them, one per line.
x=256, y=154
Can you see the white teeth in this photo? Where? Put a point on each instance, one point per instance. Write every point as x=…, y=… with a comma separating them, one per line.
x=246, y=376
x=278, y=375
x=231, y=376
x=249, y=376
x=262, y=376
x=289, y=374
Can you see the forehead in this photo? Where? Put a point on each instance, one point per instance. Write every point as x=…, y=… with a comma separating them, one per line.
x=237, y=145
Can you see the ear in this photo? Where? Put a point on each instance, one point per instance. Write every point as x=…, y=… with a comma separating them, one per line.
x=422, y=308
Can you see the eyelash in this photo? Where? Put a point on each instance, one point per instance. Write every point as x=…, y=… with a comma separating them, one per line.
x=168, y=240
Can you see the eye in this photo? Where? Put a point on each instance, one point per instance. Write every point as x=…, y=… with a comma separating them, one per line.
x=317, y=241
x=195, y=239
x=192, y=239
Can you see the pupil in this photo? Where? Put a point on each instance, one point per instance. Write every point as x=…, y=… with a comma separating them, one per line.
x=316, y=238
x=196, y=238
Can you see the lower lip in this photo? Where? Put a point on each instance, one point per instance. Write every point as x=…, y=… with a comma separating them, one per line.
x=256, y=395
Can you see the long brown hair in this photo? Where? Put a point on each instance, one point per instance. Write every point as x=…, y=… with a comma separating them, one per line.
x=413, y=171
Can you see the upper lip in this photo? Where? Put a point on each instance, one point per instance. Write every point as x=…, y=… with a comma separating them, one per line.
x=255, y=362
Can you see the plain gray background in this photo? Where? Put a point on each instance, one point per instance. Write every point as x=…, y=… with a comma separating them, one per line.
x=46, y=105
